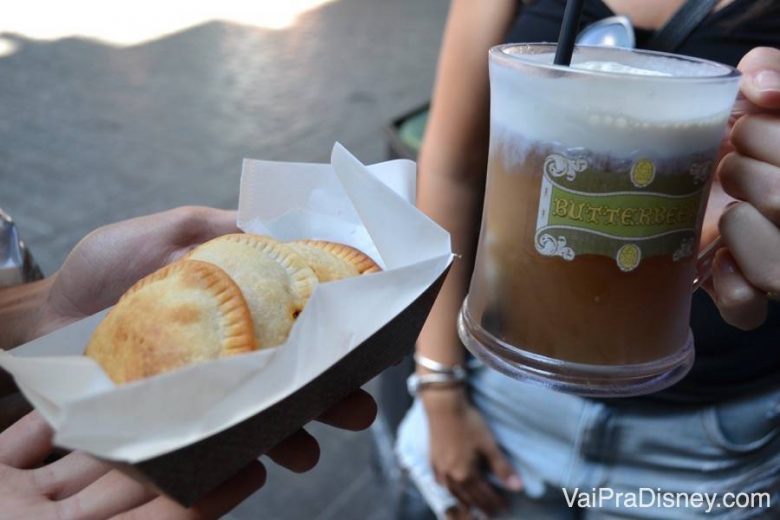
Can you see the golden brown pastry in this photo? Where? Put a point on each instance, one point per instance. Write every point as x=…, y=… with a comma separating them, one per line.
x=275, y=281
x=186, y=312
x=333, y=261
x=231, y=295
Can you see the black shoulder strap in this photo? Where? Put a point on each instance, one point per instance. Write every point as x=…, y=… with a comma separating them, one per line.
x=674, y=33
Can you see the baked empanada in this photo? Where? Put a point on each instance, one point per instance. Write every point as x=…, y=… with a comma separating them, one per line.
x=332, y=261
x=186, y=312
x=275, y=281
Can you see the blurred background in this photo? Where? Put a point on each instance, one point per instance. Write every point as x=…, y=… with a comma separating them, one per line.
x=110, y=110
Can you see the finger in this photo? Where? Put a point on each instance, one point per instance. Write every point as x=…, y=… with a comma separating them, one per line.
x=757, y=136
x=68, y=475
x=459, y=492
x=438, y=476
x=500, y=466
x=470, y=492
x=217, y=222
x=355, y=412
x=740, y=304
x=761, y=77
x=26, y=443
x=216, y=504
x=753, y=181
x=488, y=499
x=193, y=225
x=299, y=452
x=709, y=287
x=457, y=512
x=754, y=243
x=200, y=223
x=111, y=494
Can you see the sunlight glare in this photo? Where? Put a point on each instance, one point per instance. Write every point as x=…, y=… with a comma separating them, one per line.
x=133, y=22
x=7, y=47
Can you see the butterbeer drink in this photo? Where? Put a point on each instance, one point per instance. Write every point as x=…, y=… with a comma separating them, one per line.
x=597, y=182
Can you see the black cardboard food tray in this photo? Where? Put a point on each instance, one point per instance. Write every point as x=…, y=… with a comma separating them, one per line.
x=189, y=473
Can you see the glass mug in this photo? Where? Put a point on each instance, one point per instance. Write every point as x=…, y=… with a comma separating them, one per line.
x=597, y=181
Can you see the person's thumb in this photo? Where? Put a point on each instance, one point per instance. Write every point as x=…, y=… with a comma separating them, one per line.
x=761, y=77
x=501, y=467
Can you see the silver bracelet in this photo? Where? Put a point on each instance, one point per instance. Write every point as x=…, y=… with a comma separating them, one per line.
x=417, y=382
x=440, y=368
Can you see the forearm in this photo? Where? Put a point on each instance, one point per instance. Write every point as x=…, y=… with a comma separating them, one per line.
x=457, y=208
x=453, y=159
x=20, y=308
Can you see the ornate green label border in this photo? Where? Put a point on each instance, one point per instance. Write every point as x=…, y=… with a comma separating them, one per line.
x=626, y=215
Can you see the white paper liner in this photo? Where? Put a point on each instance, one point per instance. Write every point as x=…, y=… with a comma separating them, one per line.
x=369, y=208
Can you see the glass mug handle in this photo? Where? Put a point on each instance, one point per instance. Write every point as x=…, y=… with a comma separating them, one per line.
x=704, y=262
x=742, y=106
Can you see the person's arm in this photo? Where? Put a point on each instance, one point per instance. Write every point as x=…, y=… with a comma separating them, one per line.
x=452, y=166
x=453, y=158
x=19, y=312
x=19, y=306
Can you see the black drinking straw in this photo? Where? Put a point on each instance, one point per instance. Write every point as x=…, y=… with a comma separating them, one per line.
x=569, y=26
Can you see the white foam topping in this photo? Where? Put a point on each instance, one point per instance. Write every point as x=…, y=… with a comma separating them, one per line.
x=637, y=105
x=618, y=68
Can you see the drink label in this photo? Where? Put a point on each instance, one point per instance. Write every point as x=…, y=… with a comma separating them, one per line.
x=627, y=210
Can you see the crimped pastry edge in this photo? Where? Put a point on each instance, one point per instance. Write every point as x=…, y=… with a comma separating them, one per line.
x=359, y=260
x=237, y=328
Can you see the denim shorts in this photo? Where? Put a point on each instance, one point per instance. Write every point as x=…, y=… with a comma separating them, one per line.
x=661, y=458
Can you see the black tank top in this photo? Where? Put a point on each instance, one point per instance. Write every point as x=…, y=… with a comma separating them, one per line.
x=729, y=362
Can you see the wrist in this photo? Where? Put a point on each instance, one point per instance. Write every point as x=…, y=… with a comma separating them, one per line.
x=431, y=375
x=429, y=365
x=450, y=399
x=22, y=308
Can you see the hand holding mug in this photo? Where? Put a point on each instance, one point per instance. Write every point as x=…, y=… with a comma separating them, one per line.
x=747, y=272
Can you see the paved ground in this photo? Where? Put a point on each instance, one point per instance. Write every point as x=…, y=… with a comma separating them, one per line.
x=93, y=133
